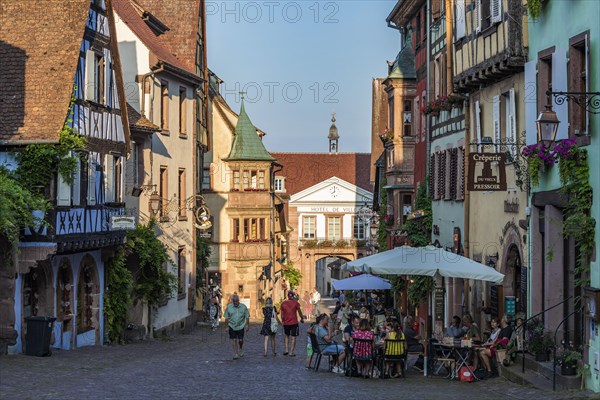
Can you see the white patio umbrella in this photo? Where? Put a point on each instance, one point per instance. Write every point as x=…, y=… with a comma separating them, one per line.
x=362, y=282
x=427, y=261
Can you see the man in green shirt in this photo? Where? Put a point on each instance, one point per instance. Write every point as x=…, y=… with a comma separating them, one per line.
x=237, y=319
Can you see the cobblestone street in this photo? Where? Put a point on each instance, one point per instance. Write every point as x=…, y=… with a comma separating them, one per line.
x=200, y=365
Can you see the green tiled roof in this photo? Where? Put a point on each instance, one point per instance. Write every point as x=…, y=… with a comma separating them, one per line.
x=404, y=65
x=247, y=146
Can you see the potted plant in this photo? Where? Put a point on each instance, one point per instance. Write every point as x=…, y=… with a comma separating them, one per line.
x=568, y=358
x=540, y=341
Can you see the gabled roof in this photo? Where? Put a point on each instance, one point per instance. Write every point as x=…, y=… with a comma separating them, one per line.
x=303, y=170
x=138, y=122
x=183, y=19
x=247, y=146
x=39, y=49
x=305, y=194
x=131, y=14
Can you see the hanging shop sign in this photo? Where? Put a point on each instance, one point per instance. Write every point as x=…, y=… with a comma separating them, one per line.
x=487, y=172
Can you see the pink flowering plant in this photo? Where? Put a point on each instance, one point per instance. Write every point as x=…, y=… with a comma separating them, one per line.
x=537, y=156
x=387, y=134
x=442, y=103
x=388, y=219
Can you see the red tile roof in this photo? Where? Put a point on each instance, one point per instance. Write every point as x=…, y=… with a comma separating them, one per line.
x=303, y=170
x=182, y=18
x=39, y=49
x=131, y=16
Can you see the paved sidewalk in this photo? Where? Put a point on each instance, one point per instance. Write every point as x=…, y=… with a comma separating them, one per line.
x=200, y=366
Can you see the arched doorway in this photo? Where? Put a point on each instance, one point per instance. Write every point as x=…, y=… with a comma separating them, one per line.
x=512, y=277
x=38, y=295
x=64, y=303
x=88, y=303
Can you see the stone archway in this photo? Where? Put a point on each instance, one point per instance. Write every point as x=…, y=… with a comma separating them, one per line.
x=37, y=294
x=511, y=267
x=64, y=302
x=88, y=303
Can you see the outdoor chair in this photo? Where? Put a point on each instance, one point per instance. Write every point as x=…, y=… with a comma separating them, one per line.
x=364, y=344
x=394, y=350
x=442, y=358
x=318, y=353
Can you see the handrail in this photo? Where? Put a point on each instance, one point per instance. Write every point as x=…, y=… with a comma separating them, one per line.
x=524, y=325
x=554, y=350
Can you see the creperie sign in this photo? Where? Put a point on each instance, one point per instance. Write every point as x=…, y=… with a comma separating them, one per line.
x=487, y=172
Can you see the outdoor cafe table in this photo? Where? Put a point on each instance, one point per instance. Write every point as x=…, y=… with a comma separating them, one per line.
x=462, y=355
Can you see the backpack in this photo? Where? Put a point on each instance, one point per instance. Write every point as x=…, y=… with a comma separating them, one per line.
x=465, y=374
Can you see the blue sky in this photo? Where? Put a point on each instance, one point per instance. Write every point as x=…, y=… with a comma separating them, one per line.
x=299, y=61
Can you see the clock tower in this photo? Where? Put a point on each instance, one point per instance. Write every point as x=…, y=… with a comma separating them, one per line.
x=333, y=136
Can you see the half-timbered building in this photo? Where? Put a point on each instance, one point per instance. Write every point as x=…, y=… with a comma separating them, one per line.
x=490, y=50
x=60, y=55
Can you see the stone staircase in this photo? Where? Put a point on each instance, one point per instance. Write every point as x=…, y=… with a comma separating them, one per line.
x=539, y=375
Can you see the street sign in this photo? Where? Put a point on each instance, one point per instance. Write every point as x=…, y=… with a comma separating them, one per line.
x=121, y=222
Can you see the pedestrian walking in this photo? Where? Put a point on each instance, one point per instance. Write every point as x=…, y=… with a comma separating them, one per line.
x=307, y=306
x=290, y=311
x=315, y=299
x=214, y=312
x=270, y=323
x=237, y=319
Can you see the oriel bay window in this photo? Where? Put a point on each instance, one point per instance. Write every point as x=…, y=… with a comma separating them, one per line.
x=254, y=229
x=250, y=180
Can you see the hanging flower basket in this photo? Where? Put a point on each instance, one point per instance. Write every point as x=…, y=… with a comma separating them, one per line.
x=538, y=158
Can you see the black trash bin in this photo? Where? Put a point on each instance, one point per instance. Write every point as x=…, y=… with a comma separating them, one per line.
x=37, y=339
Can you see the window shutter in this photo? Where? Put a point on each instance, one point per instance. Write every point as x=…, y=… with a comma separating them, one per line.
x=76, y=196
x=63, y=192
x=496, y=112
x=495, y=11
x=108, y=92
x=110, y=179
x=91, y=189
x=90, y=75
x=432, y=176
x=587, y=78
x=559, y=84
x=477, y=16
x=460, y=19
x=478, y=124
x=530, y=100
x=453, y=173
x=512, y=121
x=442, y=177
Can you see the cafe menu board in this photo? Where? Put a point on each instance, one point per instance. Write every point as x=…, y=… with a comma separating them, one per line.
x=494, y=300
x=439, y=304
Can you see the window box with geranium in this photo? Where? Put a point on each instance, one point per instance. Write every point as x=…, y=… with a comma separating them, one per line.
x=442, y=103
x=388, y=219
x=387, y=135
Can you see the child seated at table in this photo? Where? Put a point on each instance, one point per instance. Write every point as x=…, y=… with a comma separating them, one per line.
x=363, y=351
x=395, y=351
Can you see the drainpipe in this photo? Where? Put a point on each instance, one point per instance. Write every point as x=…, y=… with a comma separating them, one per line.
x=467, y=198
x=449, y=29
x=427, y=119
x=144, y=77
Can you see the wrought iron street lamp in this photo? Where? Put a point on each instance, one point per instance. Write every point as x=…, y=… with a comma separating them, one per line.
x=155, y=201
x=547, y=126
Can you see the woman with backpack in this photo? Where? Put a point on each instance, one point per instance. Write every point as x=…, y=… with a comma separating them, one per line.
x=270, y=324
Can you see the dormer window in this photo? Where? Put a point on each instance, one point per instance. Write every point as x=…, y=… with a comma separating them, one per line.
x=154, y=23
